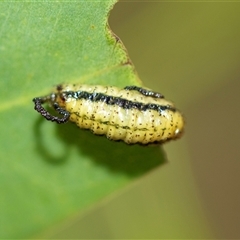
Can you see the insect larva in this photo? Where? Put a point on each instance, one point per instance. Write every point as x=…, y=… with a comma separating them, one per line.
x=132, y=114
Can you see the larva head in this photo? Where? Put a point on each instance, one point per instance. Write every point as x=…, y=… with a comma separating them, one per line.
x=60, y=95
x=59, y=98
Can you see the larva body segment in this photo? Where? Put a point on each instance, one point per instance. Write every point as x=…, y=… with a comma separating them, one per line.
x=132, y=114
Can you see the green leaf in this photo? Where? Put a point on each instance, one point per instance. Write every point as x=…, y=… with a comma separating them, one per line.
x=49, y=172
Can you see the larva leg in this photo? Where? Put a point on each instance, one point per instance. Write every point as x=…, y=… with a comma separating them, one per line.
x=145, y=92
x=39, y=108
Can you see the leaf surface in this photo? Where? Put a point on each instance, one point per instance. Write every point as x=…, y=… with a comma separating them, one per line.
x=48, y=171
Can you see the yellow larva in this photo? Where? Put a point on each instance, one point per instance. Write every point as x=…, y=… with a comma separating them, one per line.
x=132, y=114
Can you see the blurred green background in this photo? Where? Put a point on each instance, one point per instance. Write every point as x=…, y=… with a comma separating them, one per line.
x=189, y=51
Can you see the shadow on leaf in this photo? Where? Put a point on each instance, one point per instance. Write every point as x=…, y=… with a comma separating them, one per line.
x=117, y=156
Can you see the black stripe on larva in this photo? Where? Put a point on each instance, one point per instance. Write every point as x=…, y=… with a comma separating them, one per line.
x=111, y=100
x=145, y=92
